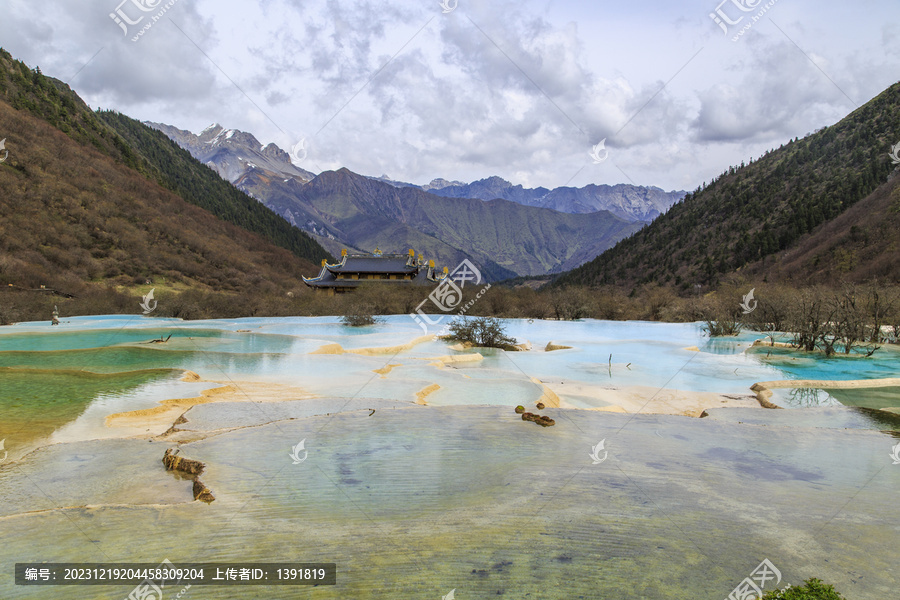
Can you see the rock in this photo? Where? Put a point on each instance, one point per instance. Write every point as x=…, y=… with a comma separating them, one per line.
x=550, y=347
x=520, y=409
x=540, y=406
x=201, y=492
x=176, y=463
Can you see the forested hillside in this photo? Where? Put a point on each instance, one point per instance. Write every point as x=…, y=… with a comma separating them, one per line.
x=758, y=210
x=147, y=151
x=71, y=216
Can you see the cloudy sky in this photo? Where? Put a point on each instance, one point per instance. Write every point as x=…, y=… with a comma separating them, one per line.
x=471, y=88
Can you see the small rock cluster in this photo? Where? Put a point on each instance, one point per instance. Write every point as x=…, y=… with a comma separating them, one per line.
x=539, y=419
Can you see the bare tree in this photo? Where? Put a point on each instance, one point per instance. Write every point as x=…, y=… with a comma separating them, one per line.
x=772, y=314
x=809, y=317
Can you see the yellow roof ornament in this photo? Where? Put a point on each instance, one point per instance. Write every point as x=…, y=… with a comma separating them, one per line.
x=431, y=263
x=344, y=252
x=323, y=262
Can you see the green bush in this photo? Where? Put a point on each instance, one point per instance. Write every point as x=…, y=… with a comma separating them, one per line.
x=813, y=589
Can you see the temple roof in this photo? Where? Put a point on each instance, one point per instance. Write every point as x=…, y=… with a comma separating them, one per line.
x=373, y=264
x=390, y=264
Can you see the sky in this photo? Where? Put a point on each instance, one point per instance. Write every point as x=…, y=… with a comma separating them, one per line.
x=465, y=89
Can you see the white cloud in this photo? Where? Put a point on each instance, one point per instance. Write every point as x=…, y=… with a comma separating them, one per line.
x=517, y=89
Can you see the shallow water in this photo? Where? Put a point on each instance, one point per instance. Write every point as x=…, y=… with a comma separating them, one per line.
x=814, y=365
x=41, y=406
x=603, y=353
x=414, y=501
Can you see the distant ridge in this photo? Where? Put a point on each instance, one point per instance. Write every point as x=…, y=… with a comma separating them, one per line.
x=230, y=152
x=505, y=238
x=629, y=202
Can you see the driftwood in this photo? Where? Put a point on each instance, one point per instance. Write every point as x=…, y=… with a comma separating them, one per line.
x=160, y=340
x=192, y=467
x=186, y=465
x=201, y=492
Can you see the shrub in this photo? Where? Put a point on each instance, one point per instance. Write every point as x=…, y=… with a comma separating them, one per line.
x=485, y=332
x=359, y=316
x=722, y=327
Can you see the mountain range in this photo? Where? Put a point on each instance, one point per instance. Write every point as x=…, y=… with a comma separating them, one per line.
x=508, y=230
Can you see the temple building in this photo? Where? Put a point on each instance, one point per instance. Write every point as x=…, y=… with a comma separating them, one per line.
x=355, y=269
